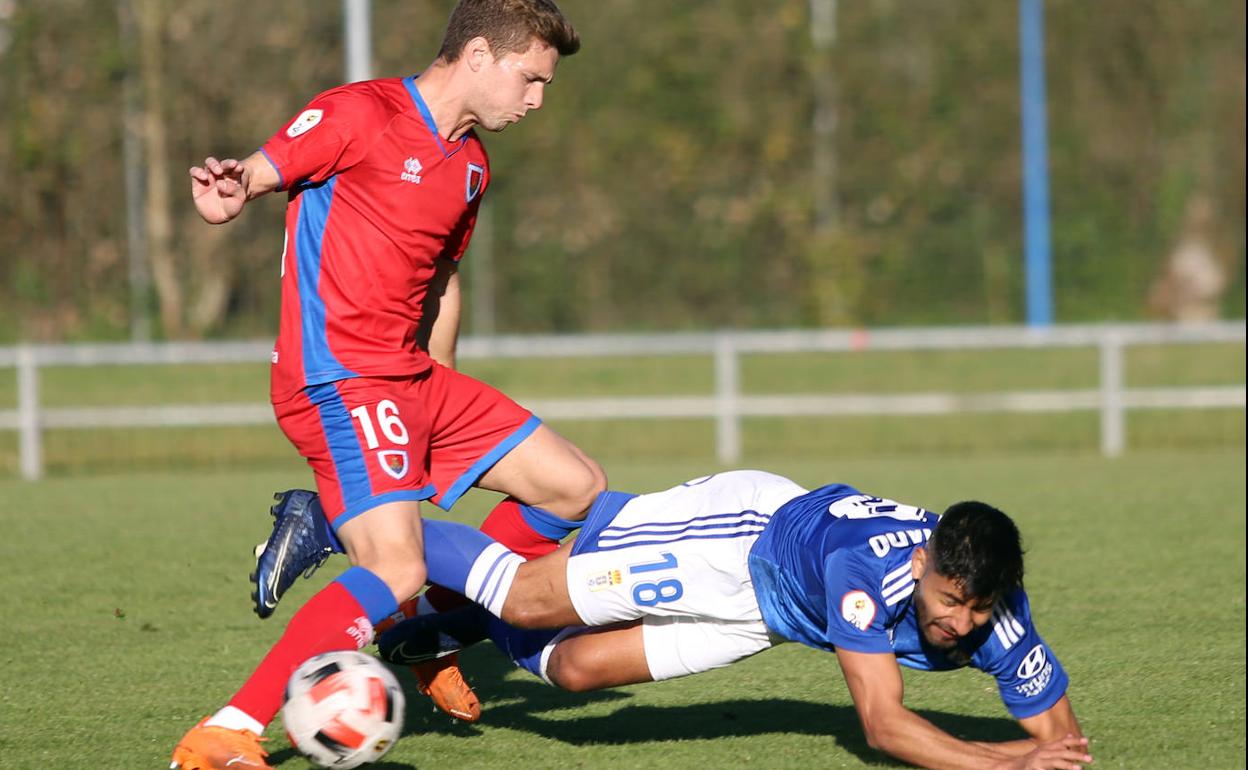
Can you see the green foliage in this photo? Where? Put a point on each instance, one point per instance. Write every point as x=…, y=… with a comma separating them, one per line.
x=131, y=592
x=669, y=181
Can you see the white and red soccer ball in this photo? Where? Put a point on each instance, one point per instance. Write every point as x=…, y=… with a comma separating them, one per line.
x=343, y=709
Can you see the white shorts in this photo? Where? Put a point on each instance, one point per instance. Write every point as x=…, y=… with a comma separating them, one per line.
x=677, y=646
x=679, y=560
x=682, y=646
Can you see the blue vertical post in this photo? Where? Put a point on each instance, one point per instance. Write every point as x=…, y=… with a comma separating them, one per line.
x=1039, y=269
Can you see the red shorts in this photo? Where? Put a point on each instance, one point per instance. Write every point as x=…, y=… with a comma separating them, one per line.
x=375, y=440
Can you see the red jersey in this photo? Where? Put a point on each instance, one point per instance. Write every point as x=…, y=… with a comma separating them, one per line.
x=376, y=198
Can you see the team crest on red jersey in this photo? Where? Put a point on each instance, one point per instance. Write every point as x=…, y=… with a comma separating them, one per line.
x=393, y=462
x=476, y=175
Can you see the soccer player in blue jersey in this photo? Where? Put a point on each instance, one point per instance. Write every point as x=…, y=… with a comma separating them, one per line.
x=699, y=576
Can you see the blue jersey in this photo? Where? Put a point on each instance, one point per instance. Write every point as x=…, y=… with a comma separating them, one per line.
x=832, y=569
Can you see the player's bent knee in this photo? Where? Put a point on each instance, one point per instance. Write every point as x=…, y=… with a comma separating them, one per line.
x=598, y=477
x=404, y=577
x=583, y=479
x=564, y=673
x=586, y=487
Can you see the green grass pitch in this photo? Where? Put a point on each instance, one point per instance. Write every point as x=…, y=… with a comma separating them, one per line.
x=126, y=619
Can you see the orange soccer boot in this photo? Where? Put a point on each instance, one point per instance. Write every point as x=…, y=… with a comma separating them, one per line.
x=219, y=748
x=442, y=681
x=432, y=655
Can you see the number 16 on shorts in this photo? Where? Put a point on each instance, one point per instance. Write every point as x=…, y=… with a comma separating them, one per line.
x=387, y=417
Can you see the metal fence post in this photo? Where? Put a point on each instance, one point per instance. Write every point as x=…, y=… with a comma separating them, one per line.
x=1113, y=418
x=30, y=441
x=727, y=392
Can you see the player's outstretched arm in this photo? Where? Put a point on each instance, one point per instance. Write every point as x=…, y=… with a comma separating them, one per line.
x=1069, y=753
x=1055, y=733
x=875, y=683
x=1057, y=722
x=220, y=188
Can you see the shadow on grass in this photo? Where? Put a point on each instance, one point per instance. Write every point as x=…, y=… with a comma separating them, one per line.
x=530, y=706
x=278, y=758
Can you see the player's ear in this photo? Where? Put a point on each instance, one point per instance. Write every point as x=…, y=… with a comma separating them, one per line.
x=477, y=54
x=918, y=562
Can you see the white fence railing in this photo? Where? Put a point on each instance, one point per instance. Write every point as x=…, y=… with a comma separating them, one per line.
x=726, y=405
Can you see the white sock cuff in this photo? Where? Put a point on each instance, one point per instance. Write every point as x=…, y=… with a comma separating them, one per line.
x=232, y=718
x=491, y=576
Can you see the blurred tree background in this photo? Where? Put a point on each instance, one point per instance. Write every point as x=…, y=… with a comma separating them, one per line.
x=669, y=182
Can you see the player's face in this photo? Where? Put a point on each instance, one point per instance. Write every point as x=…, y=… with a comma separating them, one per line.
x=945, y=613
x=513, y=84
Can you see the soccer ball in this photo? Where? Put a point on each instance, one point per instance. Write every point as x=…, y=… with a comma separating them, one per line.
x=343, y=709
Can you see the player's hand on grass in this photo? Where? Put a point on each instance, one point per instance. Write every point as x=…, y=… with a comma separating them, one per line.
x=219, y=189
x=1069, y=753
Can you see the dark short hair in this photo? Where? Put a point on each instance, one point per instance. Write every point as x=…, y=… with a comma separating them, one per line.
x=978, y=547
x=509, y=26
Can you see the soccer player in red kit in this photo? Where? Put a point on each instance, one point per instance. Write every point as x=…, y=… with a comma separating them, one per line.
x=384, y=180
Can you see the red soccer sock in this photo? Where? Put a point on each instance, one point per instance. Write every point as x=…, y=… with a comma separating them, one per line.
x=331, y=620
x=506, y=524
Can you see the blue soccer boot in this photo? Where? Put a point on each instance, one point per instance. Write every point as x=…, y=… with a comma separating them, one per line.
x=300, y=543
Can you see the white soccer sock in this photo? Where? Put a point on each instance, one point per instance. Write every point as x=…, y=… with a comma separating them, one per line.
x=233, y=718
x=491, y=577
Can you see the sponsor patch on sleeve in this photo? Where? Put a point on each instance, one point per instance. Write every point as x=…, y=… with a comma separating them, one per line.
x=858, y=609
x=1035, y=672
x=306, y=121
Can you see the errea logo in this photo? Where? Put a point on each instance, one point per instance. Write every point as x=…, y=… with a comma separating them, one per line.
x=411, y=171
